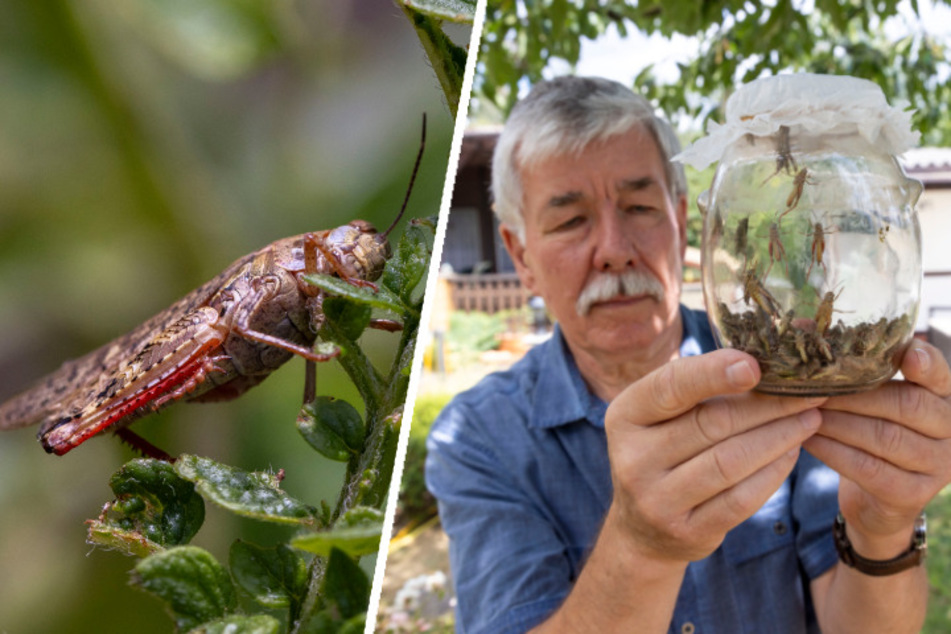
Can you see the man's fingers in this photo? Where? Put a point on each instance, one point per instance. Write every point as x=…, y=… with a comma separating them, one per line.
x=676, y=387
x=900, y=445
x=876, y=476
x=911, y=405
x=719, y=419
x=925, y=365
x=727, y=509
x=729, y=463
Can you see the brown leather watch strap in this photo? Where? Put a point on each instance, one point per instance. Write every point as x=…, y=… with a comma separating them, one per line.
x=880, y=568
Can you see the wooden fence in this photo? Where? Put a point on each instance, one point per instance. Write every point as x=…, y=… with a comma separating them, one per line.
x=488, y=293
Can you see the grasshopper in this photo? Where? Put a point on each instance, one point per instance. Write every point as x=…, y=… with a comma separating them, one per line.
x=818, y=248
x=799, y=183
x=754, y=290
x=776, y=250
x=213, y=344
x=784, y=158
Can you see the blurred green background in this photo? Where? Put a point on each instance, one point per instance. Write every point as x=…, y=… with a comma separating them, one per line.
x=144, y=146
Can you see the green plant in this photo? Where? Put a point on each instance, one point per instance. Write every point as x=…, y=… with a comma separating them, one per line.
x=447, y=59
x=417, y=504
x=312, y=582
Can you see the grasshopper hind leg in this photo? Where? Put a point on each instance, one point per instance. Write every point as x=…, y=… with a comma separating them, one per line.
x=141, y=445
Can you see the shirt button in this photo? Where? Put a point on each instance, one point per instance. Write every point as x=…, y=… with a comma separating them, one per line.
x=780, y=528
x=687, y=628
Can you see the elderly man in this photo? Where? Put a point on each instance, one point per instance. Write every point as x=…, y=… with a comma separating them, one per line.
x=623, y=477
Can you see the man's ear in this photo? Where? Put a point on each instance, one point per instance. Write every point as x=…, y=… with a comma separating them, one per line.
x=517, y=252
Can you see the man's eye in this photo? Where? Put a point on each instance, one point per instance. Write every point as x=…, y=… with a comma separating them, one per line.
x=639, y=209
x=570, y=223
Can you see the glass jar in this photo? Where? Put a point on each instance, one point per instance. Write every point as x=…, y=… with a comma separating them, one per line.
x=811, y=252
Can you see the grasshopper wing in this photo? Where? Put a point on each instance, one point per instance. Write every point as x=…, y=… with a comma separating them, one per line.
x=65, y=389
x=168, y=367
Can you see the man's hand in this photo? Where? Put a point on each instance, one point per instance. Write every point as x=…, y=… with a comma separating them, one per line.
x=892, y=447
x=694, y=453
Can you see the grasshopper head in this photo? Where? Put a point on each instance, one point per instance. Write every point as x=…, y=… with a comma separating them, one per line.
x=361, y=252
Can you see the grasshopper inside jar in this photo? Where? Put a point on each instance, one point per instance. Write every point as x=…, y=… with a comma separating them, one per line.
x=811, y=251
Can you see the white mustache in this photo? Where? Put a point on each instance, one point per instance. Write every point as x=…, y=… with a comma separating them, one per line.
x=604, y=286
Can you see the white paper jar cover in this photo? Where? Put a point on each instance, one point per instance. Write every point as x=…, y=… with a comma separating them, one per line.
x=811, y=244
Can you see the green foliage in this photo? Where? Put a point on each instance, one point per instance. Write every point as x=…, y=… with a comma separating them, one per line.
x=416, y=503
x=739, y=41
x=153, y=508
x=939, y=562
x=475, y=331
x=159, y=507
x=448, y=59
x=357, y=534
x=332, y=427
x=276, y=577
x=190, y=581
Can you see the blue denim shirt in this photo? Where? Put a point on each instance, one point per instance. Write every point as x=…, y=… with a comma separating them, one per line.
x=519, y=465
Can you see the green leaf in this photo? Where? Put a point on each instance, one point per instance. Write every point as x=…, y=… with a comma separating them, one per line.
x=333, y=427
x=240, y=624
x=447, y=59
x=327, y=622
x=190, y=581
x=274, y=577
x=346, y=587
x=249, y=493
x=411, y=260
x=350, y=317
x=462, y=11
x=153, y=508
x=133, y=543
x=357, y=534
x=381, y=298
x=355, y=541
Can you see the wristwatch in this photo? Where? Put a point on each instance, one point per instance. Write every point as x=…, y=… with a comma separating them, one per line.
x=881, y=567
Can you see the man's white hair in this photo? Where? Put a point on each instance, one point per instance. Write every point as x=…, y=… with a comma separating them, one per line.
x=563, y=116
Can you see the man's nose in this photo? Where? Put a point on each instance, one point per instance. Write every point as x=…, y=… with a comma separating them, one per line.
x=614, y=249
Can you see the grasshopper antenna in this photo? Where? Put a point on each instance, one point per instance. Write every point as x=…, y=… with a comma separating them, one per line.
x=412, y=179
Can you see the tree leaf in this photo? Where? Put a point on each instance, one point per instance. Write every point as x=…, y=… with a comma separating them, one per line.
x=274, y=577
x=154, y=508
x=350, y=317
x=346, y=587
x=357, y=533
x=249, y=493
x=461, y=11
x=333, y=427
x=411, y=261
x=189, y=580
x=381, y=298
x=240, y=624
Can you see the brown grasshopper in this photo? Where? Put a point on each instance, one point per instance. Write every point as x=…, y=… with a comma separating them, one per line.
x=818, y=246
x=213, y=344
x=776, y=250
x=784, y=158
x=799, y=183
x=754, y=290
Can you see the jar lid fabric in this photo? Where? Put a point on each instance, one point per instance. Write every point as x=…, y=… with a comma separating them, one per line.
x=817, y=104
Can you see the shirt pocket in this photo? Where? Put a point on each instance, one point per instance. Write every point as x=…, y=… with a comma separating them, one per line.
x=769, y=529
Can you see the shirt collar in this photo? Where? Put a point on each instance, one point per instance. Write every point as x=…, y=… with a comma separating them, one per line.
x=562, y=397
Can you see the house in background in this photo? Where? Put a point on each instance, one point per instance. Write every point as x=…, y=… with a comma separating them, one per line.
x=932, y=166
x=481, y=275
